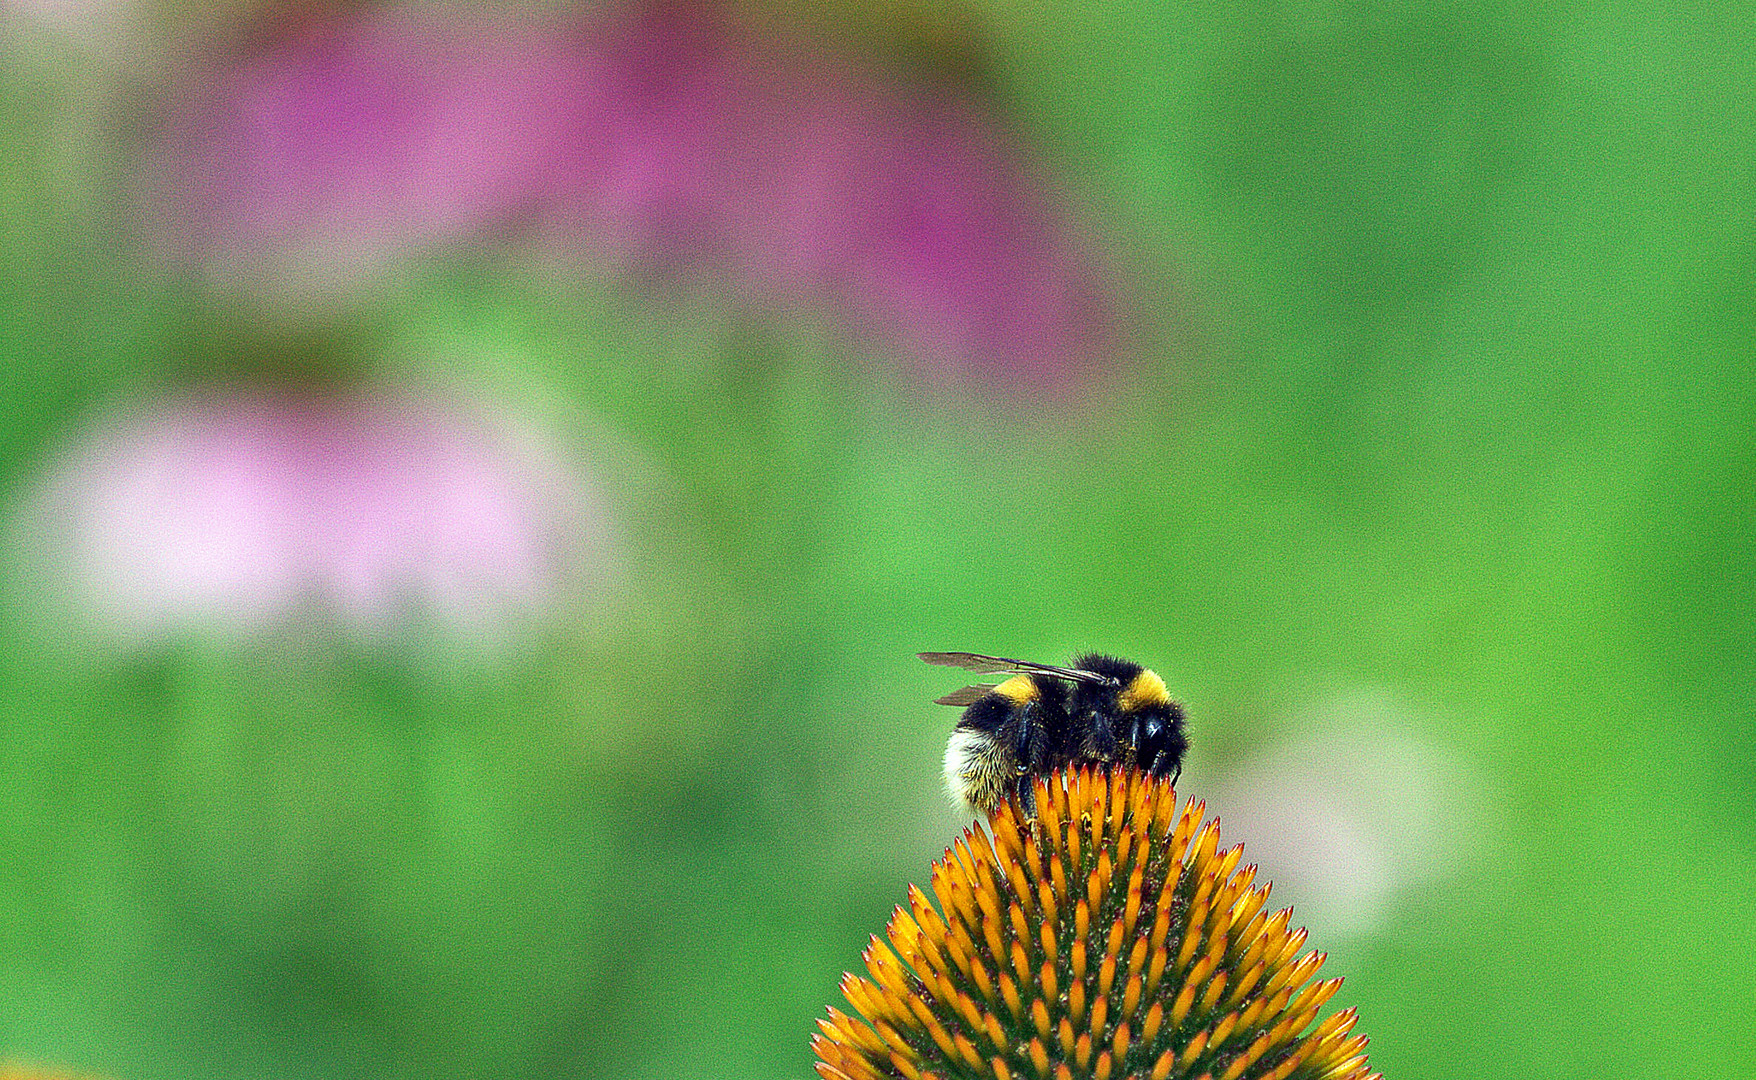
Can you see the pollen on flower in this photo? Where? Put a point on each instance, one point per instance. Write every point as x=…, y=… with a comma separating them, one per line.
x=1108, y=937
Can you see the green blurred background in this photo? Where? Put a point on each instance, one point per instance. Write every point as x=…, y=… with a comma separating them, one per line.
x=1426, y=478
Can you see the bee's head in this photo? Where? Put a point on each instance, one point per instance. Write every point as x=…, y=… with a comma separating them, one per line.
x=1135, y=709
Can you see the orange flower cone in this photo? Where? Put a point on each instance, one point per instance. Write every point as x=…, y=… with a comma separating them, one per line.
x=1108, y=937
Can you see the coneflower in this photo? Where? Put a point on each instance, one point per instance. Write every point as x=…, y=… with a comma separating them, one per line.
x=1108, y=937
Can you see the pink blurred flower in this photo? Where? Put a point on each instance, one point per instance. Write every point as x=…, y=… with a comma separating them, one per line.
x=243, y=513
x=343, y=147
x=664, y=145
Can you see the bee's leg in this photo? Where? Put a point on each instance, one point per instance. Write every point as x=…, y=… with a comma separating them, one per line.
x=1023, y=743
x=1132, y=751
x=1158, y=759
x=1030, y=749
x=1100, y=741
x=1026, y=750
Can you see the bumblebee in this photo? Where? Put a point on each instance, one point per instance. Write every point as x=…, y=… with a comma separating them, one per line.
x=1096, y=711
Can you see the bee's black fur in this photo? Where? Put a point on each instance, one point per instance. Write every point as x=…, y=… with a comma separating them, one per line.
x=1066, y=724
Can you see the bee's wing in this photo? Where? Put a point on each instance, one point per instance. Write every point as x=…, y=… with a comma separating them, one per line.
x=969, y=695
x=989, y=665
x=986, y=665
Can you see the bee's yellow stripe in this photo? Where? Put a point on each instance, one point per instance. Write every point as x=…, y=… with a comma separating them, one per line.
x=1143, y=690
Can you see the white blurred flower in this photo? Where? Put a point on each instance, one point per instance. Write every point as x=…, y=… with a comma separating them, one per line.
x=247, y=511
x=1359, y=808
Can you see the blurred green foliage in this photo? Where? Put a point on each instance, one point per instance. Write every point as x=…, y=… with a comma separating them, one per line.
x=1459, y=398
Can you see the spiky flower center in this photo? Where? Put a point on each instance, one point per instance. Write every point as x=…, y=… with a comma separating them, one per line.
x=1108, y=937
